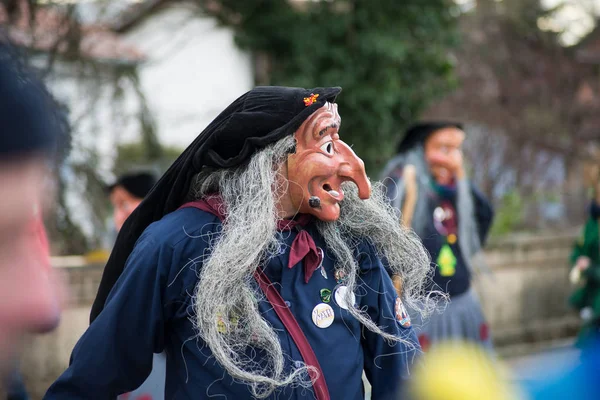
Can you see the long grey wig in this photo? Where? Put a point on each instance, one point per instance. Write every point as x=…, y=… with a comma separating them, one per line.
x=225, y=291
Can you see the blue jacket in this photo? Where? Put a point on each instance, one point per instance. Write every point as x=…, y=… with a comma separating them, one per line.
x=149, y=311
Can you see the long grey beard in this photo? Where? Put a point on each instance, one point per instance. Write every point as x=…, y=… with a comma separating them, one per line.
x=226, y=292
x=377, y=221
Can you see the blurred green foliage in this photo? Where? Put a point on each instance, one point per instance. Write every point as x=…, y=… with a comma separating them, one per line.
x=136, y=155
x=509, y=214
x=392, y=58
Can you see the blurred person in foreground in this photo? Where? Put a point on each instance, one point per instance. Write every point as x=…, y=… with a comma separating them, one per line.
x=585, y=272
x=427, y=182
x=30, y=293
x=257, y=263
x=126, y=194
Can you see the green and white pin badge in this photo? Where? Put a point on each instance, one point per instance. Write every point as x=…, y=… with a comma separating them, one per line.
x=325, y=295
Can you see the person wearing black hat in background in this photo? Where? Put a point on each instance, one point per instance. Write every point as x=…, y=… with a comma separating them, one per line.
x=257, y=263
x=126, y=194
x=427, y=182
x=30, y=127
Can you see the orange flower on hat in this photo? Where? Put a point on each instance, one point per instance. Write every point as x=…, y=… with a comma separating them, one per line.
x=308, y=101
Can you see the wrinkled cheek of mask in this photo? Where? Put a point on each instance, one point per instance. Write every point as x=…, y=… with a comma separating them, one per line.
x=306, y=191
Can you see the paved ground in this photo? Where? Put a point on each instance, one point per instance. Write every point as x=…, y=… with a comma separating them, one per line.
x=544, y=363
x=543, y=367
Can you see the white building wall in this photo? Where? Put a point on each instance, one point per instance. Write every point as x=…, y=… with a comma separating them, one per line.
x=193, y=70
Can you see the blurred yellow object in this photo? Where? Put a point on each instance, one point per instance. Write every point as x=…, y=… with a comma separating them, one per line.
x=452, y=238
x=461, y=371
x=99, y=256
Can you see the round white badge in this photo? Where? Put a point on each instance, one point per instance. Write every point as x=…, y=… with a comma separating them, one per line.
x=322, y=315
x=340, y=297
x=401, y=314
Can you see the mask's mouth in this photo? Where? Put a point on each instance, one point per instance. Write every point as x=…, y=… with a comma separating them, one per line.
x=319, y=192
x=338, y=195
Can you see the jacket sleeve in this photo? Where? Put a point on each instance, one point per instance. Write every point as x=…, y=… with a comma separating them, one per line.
x=387, y=365
x=115, y=354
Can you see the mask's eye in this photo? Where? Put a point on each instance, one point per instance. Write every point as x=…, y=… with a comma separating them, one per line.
x=328, y=148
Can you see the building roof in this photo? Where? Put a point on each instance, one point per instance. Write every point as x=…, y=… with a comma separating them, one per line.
x=135, y=13
x=53, y=26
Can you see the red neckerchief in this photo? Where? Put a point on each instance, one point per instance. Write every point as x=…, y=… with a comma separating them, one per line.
x=303, y=246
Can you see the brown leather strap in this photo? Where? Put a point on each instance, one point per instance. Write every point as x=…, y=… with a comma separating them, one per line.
x=288, y=320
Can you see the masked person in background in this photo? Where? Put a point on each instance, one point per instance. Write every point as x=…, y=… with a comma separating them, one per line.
x=258, y=263
x=30, y=293
x=126, y=194
x=427, y=181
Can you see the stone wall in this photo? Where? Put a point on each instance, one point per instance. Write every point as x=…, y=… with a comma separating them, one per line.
x=524, y=299
x=47, y=356
x=525, y=296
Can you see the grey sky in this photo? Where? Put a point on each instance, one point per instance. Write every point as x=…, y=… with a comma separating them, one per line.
x=574, y=18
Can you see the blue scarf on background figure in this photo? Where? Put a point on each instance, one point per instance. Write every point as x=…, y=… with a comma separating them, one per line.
x=446, y=192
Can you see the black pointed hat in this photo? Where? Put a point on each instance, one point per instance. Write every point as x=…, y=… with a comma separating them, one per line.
x=419, y=132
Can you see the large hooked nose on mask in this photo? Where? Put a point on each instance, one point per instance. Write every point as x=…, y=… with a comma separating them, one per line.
x=320, y=164
x=352, y=168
